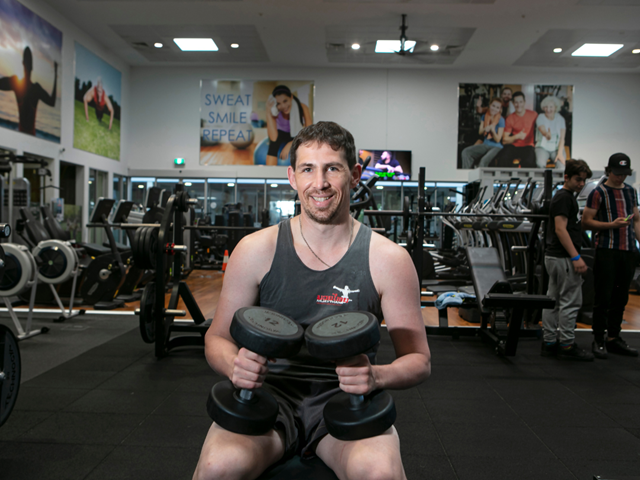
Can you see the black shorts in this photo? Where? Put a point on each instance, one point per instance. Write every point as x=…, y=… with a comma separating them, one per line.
x=283, y=139
x=301, y=402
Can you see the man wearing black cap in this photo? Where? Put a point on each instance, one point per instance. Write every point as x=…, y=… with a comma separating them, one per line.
x=612, y=215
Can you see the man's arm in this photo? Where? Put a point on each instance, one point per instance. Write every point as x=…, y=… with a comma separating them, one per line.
x=44, y=96
x=110, y=107
x=8, y=83
x=636, y=222
x=590, y=223
x=87, y=99
x=244, y=271
x=560, y=222
x=395, y=278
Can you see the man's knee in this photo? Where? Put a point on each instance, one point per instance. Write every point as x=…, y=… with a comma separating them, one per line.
x=384, y=468
x=227, y=463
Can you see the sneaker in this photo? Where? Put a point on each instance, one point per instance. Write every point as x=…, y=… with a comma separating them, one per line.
x=549, y=349
x=620, y=347
x=598, y=349
x=573, y=352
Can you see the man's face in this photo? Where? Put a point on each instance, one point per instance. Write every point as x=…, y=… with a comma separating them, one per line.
x=576, y=182
x=506, y=95
x=323, y=180
x=386, y=156
x=283, y=103
x=617, y=179
x=518, y=103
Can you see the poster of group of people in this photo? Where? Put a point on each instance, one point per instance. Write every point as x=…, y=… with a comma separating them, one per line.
x=30, y=84
x=514, y=125
x=248, y=122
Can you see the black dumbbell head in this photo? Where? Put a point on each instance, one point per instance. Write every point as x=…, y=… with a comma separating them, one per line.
x=266, y=332
x=342, y=335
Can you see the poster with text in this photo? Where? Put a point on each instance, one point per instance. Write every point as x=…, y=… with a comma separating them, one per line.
x=250, y=122
x=30, y=66
x=97, y=102
x=514, y=125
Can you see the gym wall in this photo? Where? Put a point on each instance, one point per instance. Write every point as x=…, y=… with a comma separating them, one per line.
x=384, y=109
x=22, y=143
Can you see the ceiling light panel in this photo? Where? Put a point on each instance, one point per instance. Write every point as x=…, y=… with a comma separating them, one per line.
x=252, y=50
x=339, y=39
x=196, y=44
x=597, y=50
x=540, y=53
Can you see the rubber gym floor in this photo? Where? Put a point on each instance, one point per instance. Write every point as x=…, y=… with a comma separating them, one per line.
x=96, y=404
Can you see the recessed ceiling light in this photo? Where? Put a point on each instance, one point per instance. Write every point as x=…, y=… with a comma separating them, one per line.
x=196, y=44
x=597, y=49
x=635, y=50
x=355, y=46
x=392, y=46
x=231, y=184
x=434, y=47
x=274, y=185
x=158, y=45
x=235, y=45
x=557, y=50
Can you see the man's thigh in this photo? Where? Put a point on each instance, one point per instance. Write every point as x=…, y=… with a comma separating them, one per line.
x=360, y=459
x=227, y=454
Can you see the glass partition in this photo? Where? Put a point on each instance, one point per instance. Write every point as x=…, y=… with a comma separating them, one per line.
x=139, y=187
x=250, y=193
x=220, y=192
x=195, y=187
x=280, y=200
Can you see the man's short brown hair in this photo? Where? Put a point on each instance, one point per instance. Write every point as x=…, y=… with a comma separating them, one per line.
x=326, y=133
x=576, y=167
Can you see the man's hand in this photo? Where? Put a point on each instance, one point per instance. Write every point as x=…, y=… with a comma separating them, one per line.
x=580, y=267
x=521, y=135
x=356, y=375
x=249, y=369
x=620, y=222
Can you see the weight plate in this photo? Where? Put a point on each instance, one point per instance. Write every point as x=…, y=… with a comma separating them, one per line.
x=266, y=332
x=10, y=367
x=152, y=247
x=253, y=417
x=374, y=416
x=147, y=313
x=94, y=288
x=2, y=263
x=342, y=335
x=136, y=249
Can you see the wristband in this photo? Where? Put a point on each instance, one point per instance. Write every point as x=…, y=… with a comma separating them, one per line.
x=577, y=257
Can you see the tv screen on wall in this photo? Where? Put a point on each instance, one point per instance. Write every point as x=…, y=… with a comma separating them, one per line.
x=386, y=164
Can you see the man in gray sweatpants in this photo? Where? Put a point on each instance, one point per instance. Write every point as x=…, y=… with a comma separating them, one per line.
x=565, y=267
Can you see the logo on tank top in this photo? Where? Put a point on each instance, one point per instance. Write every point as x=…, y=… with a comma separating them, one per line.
x=335, y=299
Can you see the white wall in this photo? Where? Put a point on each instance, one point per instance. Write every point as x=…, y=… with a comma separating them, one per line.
x=21, y=143
x=413, y=110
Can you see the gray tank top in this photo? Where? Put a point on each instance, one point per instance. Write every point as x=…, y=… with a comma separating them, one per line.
x=305, y=295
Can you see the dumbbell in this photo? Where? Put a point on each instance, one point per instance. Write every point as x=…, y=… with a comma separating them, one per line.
x=267, y=333
x=349, y=416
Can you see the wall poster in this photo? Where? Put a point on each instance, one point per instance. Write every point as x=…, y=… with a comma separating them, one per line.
x=30, y=66
x=249, y=122
x=514, y=125
x=97, y=105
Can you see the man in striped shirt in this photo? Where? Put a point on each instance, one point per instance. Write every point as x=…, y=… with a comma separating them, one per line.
x=612, y=215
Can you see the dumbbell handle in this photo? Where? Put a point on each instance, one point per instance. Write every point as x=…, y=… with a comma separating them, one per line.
x=356, y=400
x=245, y=394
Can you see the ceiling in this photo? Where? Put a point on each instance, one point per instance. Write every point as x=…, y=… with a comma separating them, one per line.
x=482, y=34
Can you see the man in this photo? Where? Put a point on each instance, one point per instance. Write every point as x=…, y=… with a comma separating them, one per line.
x=565, y=267
x=507, y=105
x=388, y=163
x=100, y=100
x=519, y=136
x=612, y=214
x=28, y=94
x=288, y=268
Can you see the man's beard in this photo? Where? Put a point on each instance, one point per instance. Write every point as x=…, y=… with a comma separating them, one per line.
x=323, y=217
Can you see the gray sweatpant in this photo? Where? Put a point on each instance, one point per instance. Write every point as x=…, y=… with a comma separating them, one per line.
x=565, y=286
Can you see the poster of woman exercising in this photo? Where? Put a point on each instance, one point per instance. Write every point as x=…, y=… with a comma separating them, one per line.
x=248, y=122
x=30, y=66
